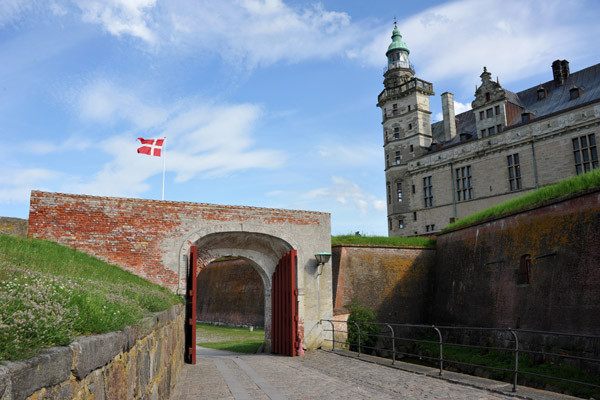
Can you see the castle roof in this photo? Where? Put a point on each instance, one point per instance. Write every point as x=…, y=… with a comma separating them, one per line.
x=557, y=98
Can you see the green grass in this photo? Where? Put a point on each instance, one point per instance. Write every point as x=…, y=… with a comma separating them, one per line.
x=382, y=240
x=239, y=340
x=50, y=294
x=569, y=186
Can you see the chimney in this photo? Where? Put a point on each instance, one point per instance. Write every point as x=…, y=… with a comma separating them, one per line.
x=448, y=112
x=560, y=70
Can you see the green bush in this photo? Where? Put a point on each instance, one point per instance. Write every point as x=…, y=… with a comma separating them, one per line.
x=369, y=332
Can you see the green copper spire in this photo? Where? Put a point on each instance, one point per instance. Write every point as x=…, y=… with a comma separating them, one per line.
x=397, y=43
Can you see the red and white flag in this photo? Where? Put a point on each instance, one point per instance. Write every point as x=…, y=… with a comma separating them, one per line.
x=152, y=147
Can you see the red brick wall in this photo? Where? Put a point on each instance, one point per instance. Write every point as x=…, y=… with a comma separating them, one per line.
x=137, y=234
x=394, y=282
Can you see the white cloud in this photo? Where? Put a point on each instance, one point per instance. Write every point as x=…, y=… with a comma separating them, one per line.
x=203, y=139
x=347, y=193
x=358, y=154
x=12, y=9
x=16, y=184
x=121, y=17
x=458, y=109
x=259, y=32
x=514, y=39
x=40, y=147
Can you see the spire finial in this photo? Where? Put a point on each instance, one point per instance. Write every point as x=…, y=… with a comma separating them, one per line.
x=395, y=21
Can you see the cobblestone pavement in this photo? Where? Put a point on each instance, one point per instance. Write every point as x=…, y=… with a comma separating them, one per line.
x=316, y=375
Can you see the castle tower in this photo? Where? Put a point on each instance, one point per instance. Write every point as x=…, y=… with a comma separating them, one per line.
x=404, y=103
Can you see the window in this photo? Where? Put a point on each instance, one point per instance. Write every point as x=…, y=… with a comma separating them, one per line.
x=414, y=216
x=409, y=107
x=398, y=158
x=430, y=228
x=586, y=153
x=481, y=115
x=389, y=224
x=464, y=183
x=411, y=148
x=491, y=131
x=524, y=274
x=399, y=191
x=394, y=109
x=387, y=160
x=409, y=126
x=483, y=133
x=541, y=93
x=499, y=128
x=400, y=224
x=488, y=97
x=389, y=194
x=514, y=172
x=428, y=191
x=574, y=93
x=526, y=117
x=413, y=189
x=396, y=133
x=489, y=113
x=497, y=110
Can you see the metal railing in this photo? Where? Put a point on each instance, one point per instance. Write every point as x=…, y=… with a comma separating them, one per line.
x=511, y=336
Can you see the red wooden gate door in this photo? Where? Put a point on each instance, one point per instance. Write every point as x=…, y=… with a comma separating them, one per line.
x=190, y=309
x=284, y=309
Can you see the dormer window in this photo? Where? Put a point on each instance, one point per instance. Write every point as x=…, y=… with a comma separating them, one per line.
x=526, y=117
x=488, y=96
x=575, y=92
x=542, y=93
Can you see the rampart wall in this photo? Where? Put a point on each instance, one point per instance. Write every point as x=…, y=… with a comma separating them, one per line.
x=141, y=361
x=231, y=292
x=13, y=226
x=479, y=276
x=396, y=282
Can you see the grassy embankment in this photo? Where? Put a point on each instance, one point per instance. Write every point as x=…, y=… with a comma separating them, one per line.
x=382, y=241
x=239, y=340
x=568, y=186
x=49, y=294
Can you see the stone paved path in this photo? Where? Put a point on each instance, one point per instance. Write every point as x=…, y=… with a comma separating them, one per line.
x=316, y=375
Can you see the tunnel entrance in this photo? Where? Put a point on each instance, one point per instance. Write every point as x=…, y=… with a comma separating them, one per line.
x=230, y=293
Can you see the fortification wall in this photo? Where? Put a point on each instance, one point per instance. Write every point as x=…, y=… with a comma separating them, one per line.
x=142, y=361
x=13, y=226
x=231, y=292
x=396, y=282
x=477, y=281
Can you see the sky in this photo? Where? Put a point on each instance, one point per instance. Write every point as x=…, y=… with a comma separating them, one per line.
x=264, y=103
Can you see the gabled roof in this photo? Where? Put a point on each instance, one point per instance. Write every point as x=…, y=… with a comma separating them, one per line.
x=558, y=98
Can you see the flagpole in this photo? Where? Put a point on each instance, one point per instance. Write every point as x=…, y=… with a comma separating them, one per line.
x=164, y=154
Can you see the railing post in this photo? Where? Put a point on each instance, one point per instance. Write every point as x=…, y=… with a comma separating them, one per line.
x=393, y=344
x=441, y=350
x=516, y=369
x=357, y=327
x=332, y=333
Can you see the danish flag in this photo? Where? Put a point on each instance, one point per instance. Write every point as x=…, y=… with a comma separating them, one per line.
x=151, y=147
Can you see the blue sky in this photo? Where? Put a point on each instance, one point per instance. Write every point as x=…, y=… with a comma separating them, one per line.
x=264, y=103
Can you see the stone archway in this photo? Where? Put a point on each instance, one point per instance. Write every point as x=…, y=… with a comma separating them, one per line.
x=261, y=250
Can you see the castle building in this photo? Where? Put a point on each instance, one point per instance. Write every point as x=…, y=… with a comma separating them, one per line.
x=508, y=144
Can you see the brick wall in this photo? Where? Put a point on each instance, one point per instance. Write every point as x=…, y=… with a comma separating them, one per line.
x=395, y=282
x=477, y=270
x=144, y=236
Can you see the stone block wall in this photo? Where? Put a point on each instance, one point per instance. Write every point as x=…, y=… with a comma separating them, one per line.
x=477, y=279
x=139, y=362
x=395, y=281
x=13, y=226
x=231, y=292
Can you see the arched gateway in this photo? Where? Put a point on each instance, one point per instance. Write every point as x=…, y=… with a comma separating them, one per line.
x=154, y=239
